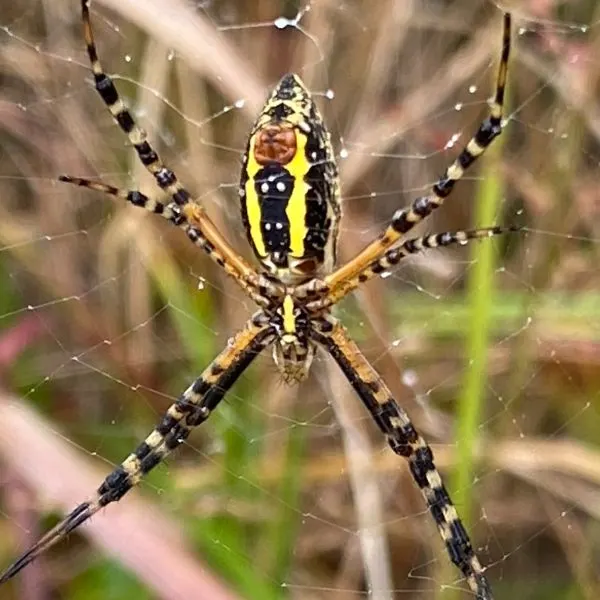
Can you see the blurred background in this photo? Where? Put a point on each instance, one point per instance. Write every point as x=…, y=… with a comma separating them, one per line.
x=107, y=313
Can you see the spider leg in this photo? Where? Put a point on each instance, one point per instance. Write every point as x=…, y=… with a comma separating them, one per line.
x=404, y=440
x=213, y=242
x=191, y=409
x=165, y=178
x=170, y=211
x=394, y=255
x=183, y=218
x=405, y=219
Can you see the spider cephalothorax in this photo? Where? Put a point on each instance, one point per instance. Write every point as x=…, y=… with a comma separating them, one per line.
x=293, y=348
x=291, y=211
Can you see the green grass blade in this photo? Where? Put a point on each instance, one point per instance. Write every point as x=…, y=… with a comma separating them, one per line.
x=480, y=299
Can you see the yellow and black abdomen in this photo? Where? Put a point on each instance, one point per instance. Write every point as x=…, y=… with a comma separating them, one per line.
x=289, y=187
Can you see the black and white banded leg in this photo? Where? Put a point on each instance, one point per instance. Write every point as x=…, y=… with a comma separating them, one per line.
x=405, y=441
x=191, y=409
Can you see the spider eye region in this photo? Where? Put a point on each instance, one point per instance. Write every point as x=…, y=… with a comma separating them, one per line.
x=289, y=188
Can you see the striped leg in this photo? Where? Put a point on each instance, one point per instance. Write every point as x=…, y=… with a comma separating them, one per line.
x=170, y=211
x=214, y=243
x=191, y=409
x=393, y=256
x=254, y=284
x=165, y=178
x=405, y=441
x=405, y=219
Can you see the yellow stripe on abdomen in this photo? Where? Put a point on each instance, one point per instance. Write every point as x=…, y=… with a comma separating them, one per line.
x=296, y=208
x=252, y=201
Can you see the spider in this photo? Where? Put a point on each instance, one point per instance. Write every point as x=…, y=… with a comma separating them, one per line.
x=290, y=207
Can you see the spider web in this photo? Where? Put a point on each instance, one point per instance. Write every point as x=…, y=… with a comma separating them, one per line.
x=107, y=314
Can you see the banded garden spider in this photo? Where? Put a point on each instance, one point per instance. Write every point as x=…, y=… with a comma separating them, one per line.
x=290, y=204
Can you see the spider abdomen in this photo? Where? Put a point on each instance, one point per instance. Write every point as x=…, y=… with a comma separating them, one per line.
x=289, y=186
